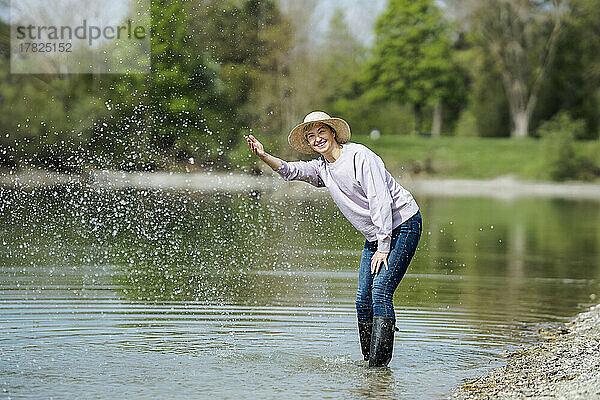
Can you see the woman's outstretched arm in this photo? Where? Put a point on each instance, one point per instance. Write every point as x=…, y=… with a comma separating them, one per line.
x=295, y=170
x=258, y=149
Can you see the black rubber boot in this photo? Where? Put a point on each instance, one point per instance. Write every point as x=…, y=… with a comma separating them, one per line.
x=365, y=330
x=382, y=341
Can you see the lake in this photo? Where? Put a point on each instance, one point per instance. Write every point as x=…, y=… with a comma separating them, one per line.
x=176, y=294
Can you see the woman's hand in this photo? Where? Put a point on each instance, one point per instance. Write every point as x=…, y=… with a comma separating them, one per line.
x=256, y=146
x=376, y=261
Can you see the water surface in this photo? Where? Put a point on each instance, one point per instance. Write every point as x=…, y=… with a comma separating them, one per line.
x=153, y=294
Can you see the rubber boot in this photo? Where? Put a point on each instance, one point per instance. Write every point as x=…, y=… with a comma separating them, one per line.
x=365, y=330
x=382, y=341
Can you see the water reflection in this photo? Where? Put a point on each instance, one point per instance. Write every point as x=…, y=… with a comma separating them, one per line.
x=378, y=384
x=234, y=294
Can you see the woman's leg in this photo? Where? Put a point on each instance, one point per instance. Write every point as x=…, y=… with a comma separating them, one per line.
x=404, y=244
x=364, y=300
x=405, y=239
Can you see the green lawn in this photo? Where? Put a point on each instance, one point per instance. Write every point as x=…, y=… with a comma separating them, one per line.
x=463, y=157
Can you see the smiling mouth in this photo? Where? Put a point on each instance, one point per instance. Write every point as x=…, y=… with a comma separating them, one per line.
x=320, y=144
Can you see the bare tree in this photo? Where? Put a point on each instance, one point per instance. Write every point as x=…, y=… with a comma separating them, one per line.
x=521, y=38
x=301, y=82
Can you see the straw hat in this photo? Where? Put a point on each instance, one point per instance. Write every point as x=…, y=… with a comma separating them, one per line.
x=298, y=141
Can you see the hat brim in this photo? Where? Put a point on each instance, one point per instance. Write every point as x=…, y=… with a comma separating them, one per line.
x=297, y=140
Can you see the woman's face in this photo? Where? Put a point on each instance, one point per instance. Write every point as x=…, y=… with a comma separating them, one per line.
x=321, y=139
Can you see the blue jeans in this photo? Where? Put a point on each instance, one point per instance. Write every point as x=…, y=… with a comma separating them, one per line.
x=376, y=291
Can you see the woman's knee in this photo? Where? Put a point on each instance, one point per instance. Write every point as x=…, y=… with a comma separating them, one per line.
x=382, y=293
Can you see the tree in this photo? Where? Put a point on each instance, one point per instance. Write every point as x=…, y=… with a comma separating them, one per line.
x=573, y=82
x=338, y=58
x=216, y=69
x=520, y=36
x=251, y=40
x=45, y=120
x=412, y=61
x=301, y=82
x=176, y=112
x=337, y=65
x=486, y=102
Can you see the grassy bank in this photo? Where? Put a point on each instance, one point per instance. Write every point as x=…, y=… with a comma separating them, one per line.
x=466, y=157
x=428, y=157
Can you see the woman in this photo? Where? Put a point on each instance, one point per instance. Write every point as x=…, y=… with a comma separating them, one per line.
x=374, y=203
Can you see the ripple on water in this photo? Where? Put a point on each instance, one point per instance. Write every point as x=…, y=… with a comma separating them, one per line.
x=70, y=332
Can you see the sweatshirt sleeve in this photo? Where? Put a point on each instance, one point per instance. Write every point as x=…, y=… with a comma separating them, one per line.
x=306, y=171
x=371, y=175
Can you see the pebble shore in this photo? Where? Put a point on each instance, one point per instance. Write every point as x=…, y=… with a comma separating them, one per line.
x=565, y=365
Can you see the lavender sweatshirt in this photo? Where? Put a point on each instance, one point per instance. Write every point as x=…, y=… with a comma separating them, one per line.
x=365, y=192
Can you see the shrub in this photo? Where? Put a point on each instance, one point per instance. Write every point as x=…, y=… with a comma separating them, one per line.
x=561, y=159
x=466, y=124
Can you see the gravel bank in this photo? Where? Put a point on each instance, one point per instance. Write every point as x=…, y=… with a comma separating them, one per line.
x=566, y=365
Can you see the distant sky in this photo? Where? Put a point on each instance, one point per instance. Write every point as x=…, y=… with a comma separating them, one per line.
x=360, y=15
x=4, y=10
